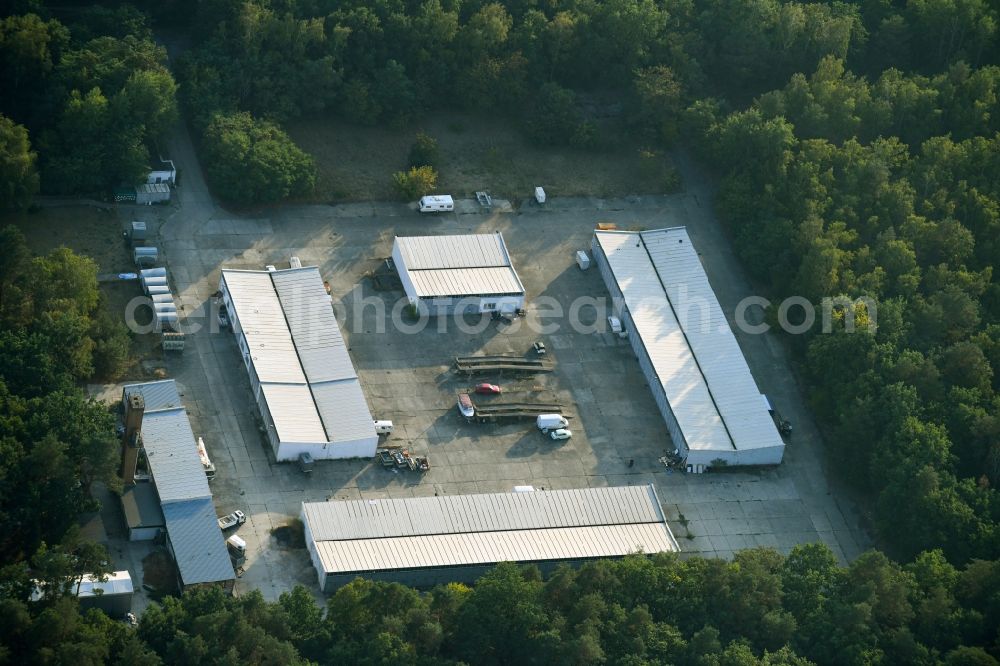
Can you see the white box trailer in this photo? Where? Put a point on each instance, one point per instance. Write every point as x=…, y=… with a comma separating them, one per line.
x=438, y=203
x=546, y=422
x=145, y=256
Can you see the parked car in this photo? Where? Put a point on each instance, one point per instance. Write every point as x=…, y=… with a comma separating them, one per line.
x=232, y=520
x=615, y=324
x=489, y=389
x=539, y=348
x=305, y=462
x=561, y=433
x=465, y=405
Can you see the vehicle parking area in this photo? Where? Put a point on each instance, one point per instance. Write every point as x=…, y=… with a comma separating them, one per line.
x=408, y=377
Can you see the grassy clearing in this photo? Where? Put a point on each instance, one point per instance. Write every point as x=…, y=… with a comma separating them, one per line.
x=96, y=233
x=356, y=163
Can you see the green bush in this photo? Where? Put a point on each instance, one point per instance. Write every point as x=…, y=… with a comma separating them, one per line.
x=254, y=161
x=416, y=182
x=424, y=151
x=672, y=181
x=111, y=346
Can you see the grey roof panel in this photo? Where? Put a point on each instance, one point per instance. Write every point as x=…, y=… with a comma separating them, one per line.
x=157, y=395
x=141, y=506
x=198, y=545
x=495, y=512
x=344, y=410
x=309, y=312
x=172, y=453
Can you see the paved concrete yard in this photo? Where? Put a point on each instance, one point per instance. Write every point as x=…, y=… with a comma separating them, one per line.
x=407, y=378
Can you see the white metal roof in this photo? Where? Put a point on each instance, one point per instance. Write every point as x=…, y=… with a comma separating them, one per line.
x=118, y=582
x=695, y=354
x=268, y=337
x=171, y=449
x=294, y=413
x=453, y=514
x=568, y=543
x=712, y=339
x=199, y=549
x=466, y=281
x=458, y=251
x=368, y=535
x=306, y=374
x=458, y=265
x=661, y=333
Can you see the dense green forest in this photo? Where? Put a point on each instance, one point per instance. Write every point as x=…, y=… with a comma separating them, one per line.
x=761, y=609
x=857, y=152
x=85, y=104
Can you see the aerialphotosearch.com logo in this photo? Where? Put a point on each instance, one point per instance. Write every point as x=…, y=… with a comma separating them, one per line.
x=358, y=313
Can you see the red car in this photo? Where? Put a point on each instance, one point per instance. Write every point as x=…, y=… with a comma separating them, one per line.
x=491, y=389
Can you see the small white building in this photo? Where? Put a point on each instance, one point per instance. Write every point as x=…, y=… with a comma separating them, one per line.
x=444, y=275
x=165, y=173
x=691, y=359
x=301, y=375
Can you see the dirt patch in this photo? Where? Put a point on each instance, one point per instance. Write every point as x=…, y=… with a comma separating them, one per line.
x=159, y=575
x=96, y=233
x=291, y=536
x=356, y=163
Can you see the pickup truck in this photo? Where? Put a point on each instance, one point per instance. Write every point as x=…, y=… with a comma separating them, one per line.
x=232, y=520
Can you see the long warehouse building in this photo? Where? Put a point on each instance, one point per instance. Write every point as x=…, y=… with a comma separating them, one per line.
x=175, y=499
x=425, y=541
x=714, y=411
x=301, y=374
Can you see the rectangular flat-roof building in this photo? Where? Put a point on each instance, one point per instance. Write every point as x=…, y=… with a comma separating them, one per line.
x=424, y=541
x=686, y=348
x=301, y=374
x=113, y=596
x=187, y=511
x=458, y=274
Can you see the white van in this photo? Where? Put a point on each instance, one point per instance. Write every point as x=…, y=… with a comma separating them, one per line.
x=546, y=422
x=438, y=203
x=383, y=427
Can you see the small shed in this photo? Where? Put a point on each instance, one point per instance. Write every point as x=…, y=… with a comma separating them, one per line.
x=137, y=234
x=165, y=172
x=113, y=596
x=151, y=193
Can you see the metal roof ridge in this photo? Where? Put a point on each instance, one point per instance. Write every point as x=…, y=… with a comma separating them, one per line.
x=295, y=347
x=687, y=341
